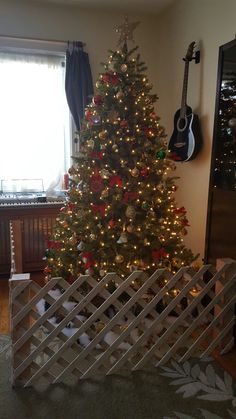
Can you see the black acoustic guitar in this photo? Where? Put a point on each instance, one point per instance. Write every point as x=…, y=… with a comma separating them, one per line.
x=185, y=141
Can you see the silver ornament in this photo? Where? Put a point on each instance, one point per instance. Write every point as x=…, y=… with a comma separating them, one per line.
x=80, y=246
x=105, y=174
x=102, y=272
x=123, y=238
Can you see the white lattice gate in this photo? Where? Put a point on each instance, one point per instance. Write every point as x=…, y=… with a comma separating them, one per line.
x=89, y=330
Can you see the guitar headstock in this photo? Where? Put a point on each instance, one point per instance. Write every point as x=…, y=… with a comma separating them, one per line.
x=189, y=54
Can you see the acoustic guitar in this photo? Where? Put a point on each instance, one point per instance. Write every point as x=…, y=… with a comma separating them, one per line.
x=185, y=141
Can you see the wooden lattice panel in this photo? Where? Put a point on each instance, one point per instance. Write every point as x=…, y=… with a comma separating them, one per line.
x=122, y=329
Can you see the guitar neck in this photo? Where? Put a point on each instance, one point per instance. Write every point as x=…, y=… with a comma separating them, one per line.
x=185, y=87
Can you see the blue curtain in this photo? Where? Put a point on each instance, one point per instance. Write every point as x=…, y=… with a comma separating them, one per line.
x=78, y=81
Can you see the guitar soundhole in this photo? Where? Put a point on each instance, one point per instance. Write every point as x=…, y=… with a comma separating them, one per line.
x=182, y=124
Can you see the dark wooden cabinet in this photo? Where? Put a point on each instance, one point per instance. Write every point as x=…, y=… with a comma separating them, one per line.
x=37, y=221
x=221, y=226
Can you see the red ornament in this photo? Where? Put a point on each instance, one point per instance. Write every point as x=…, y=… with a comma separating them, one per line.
x=53, y=244
x=159, y=254
x=70, y=206
x=106, y=77
x=153, y=115
x=66, y=181
x=88, y=114
x=71, y=279
x=185, y=223
x=124, y=124
x=100, y=209
x=111, y=223
x=115, y=79
x=174, y=188
x=144, y=172
x=98, y=100
x=96, y=183
x=180, y=211
x=96, y=155
x=148, y=131
x=47, y=270
x=88, y=257
x=115, y=180
x=129, y=196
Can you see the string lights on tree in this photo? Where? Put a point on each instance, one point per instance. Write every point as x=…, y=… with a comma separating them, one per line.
x=121, y=214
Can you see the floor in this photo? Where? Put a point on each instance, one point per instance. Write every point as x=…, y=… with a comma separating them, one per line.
x=227, y=361
x=141, y=395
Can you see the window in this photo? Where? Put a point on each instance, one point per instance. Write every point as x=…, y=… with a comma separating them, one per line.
x=35, y=120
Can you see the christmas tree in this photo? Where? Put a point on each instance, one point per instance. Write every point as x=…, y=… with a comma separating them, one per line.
x=121, y=213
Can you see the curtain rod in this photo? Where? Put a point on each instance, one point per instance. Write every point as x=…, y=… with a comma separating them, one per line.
x=53, y=41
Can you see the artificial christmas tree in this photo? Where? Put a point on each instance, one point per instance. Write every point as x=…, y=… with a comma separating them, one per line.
x=120, y=214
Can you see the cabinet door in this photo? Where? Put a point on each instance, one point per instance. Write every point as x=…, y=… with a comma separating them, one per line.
x=221, y=226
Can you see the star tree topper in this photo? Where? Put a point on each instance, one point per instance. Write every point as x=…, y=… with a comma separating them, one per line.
x=126, y=31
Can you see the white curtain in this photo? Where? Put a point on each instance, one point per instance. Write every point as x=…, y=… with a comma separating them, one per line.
x=34, y=118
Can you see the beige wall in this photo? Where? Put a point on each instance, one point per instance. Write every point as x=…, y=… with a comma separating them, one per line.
x=163, y=41
x=210, y=23
x=96, y=28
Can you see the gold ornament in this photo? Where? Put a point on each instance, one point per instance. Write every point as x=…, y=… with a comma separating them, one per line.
x=147, y=144
x=135, y=172
x=90, y=143
x=123, y=67
x=113, y=116
x=115, y=147
x=98, y=84
x=152, y=214
x=119, y=258
x=118, y=197
x=142, y=264
x=72, y=170
x=99, y=325
x=72, y=240
x=130, y=212
x=176, y=262
x=92, y=236
x=102, y=135
x=104, y=193
x=119, y=95
x=130, y=228
x=161, y=187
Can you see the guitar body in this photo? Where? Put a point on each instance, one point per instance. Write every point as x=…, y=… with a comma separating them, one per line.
x=185, y=141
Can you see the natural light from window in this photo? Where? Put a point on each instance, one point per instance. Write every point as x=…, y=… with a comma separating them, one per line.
x=35, y=120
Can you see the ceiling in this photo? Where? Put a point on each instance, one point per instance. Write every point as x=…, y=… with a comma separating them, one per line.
x=135, y=6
